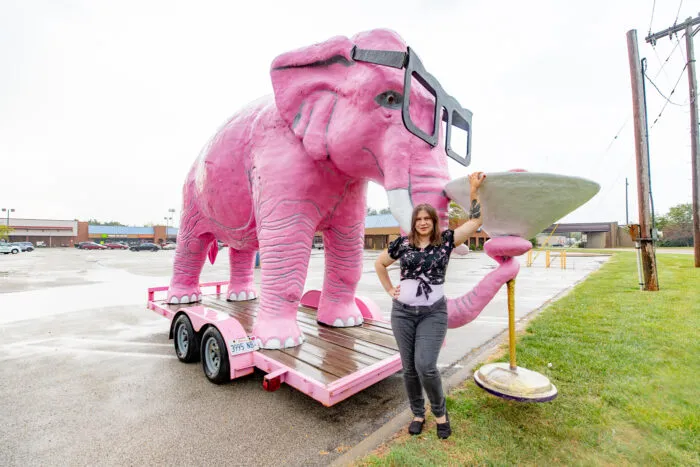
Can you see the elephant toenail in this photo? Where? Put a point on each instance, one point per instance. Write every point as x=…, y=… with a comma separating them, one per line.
x=272, y=344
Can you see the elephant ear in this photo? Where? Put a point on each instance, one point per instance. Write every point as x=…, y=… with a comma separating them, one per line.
x=306, y=83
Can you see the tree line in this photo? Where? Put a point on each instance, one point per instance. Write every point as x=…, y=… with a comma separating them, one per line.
x=676, y=226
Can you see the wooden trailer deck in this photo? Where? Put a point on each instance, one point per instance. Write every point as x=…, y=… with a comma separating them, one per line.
x=331, y=364
x=328, y=353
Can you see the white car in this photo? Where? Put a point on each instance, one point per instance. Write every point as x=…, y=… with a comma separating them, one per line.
x=169, y=246
x=6, y=249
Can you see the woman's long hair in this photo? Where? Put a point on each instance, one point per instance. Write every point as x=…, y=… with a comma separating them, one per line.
x=413, y=235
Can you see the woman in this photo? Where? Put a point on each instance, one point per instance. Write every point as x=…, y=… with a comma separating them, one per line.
x=419, y=311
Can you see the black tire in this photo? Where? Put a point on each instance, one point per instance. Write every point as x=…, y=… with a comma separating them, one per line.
x=186, y=340
x=215, y=357
x=15, y=251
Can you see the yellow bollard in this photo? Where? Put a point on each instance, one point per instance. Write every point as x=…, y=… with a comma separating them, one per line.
x=528, y=262
x=547, y=259
x=562, y=257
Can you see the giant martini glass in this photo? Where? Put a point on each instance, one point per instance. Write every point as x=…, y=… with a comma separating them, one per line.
x=518, y=205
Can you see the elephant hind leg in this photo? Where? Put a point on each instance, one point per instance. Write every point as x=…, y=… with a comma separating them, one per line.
x=241, y=285
x=190, y=254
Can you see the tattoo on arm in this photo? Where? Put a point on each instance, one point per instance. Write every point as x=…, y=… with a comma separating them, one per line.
x=475, y=210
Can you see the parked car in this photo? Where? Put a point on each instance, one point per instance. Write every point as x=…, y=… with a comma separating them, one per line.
x=24, y=246
x=7, y=248
x=169, y=246
x=117, y=246
x=91, y=246
x=145, y=246
x=41, y=244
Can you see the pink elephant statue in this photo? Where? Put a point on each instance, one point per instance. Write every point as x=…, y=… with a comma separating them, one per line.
x=343, y=112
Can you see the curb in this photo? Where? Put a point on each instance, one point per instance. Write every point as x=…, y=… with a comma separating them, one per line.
x=468, y=362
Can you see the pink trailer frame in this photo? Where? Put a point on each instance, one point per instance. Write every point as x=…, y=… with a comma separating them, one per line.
x=202, y=315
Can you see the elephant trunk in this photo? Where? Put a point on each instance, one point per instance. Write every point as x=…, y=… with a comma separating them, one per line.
x=466, y=308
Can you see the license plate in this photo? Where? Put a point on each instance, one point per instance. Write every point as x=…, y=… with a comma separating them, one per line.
x=244, y=345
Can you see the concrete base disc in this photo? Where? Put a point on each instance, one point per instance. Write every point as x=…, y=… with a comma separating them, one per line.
x=520, y=384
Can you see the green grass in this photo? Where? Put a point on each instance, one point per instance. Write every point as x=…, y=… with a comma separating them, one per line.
x=626, y=364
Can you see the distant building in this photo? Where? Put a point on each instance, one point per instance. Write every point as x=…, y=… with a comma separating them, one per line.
x=66, y=233
x=130, y=235
x=50, y=231
x=381, y=229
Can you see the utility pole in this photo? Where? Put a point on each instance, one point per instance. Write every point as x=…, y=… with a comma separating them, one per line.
x=641, y=148
x=627, y=204
x=694, y=139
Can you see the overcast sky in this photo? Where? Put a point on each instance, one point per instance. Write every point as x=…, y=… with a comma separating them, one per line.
x=105, y=105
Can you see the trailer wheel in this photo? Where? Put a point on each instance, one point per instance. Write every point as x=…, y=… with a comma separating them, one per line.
x=215, y=357
x=186, y=340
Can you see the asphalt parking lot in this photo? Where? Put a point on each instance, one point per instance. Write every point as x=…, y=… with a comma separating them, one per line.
x=89, y=377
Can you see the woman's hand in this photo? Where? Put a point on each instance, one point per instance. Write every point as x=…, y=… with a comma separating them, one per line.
x=475, y=181
x=395, y=291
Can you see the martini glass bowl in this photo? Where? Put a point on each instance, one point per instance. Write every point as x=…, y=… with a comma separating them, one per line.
x=518, y=205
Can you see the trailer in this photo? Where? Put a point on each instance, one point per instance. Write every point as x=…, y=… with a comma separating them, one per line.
x=331, y=365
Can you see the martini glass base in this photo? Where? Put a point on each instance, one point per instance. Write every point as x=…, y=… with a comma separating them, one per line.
x=521, y=384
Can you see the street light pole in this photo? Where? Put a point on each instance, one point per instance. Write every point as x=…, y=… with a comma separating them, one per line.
x=9, y=210
x=166, y=227
x=171, y=213
x=7, y=222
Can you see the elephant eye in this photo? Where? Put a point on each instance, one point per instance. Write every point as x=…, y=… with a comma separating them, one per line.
x=389, y=99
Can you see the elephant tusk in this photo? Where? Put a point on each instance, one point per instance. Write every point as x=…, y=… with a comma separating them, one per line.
x=401, y=207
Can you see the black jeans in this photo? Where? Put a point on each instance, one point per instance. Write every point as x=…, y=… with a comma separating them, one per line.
x=420, y=331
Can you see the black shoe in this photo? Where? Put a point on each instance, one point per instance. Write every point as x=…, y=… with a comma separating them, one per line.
x=443, y=429
x=416, y=427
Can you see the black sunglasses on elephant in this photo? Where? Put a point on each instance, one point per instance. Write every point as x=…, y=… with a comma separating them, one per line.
x=454, y=114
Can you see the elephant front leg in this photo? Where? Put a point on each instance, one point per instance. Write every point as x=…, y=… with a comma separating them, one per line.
x=241, y=285
x=343, y=246
x=284, y=260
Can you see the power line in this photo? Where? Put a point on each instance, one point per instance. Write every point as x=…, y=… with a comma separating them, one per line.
x=653, y=7
x=627, y=119
x=661, y=65
x=617, y=134
x=677, y=14
x=667, y=101
x=662, y=94
x=678, y=42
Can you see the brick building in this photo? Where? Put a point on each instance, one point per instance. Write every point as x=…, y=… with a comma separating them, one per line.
x=66, y=233
x=381, y=229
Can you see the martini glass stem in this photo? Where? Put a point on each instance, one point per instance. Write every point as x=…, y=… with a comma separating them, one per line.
x=511, y=322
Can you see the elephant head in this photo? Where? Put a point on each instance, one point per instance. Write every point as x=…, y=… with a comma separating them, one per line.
x=367, y=105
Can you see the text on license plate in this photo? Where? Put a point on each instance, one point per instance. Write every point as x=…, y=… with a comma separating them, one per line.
x=243, y=345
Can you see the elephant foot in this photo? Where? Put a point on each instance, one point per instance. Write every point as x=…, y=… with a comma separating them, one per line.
x=339, y=315
x=180, y=295
x=278, y=333
x=239, y=293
